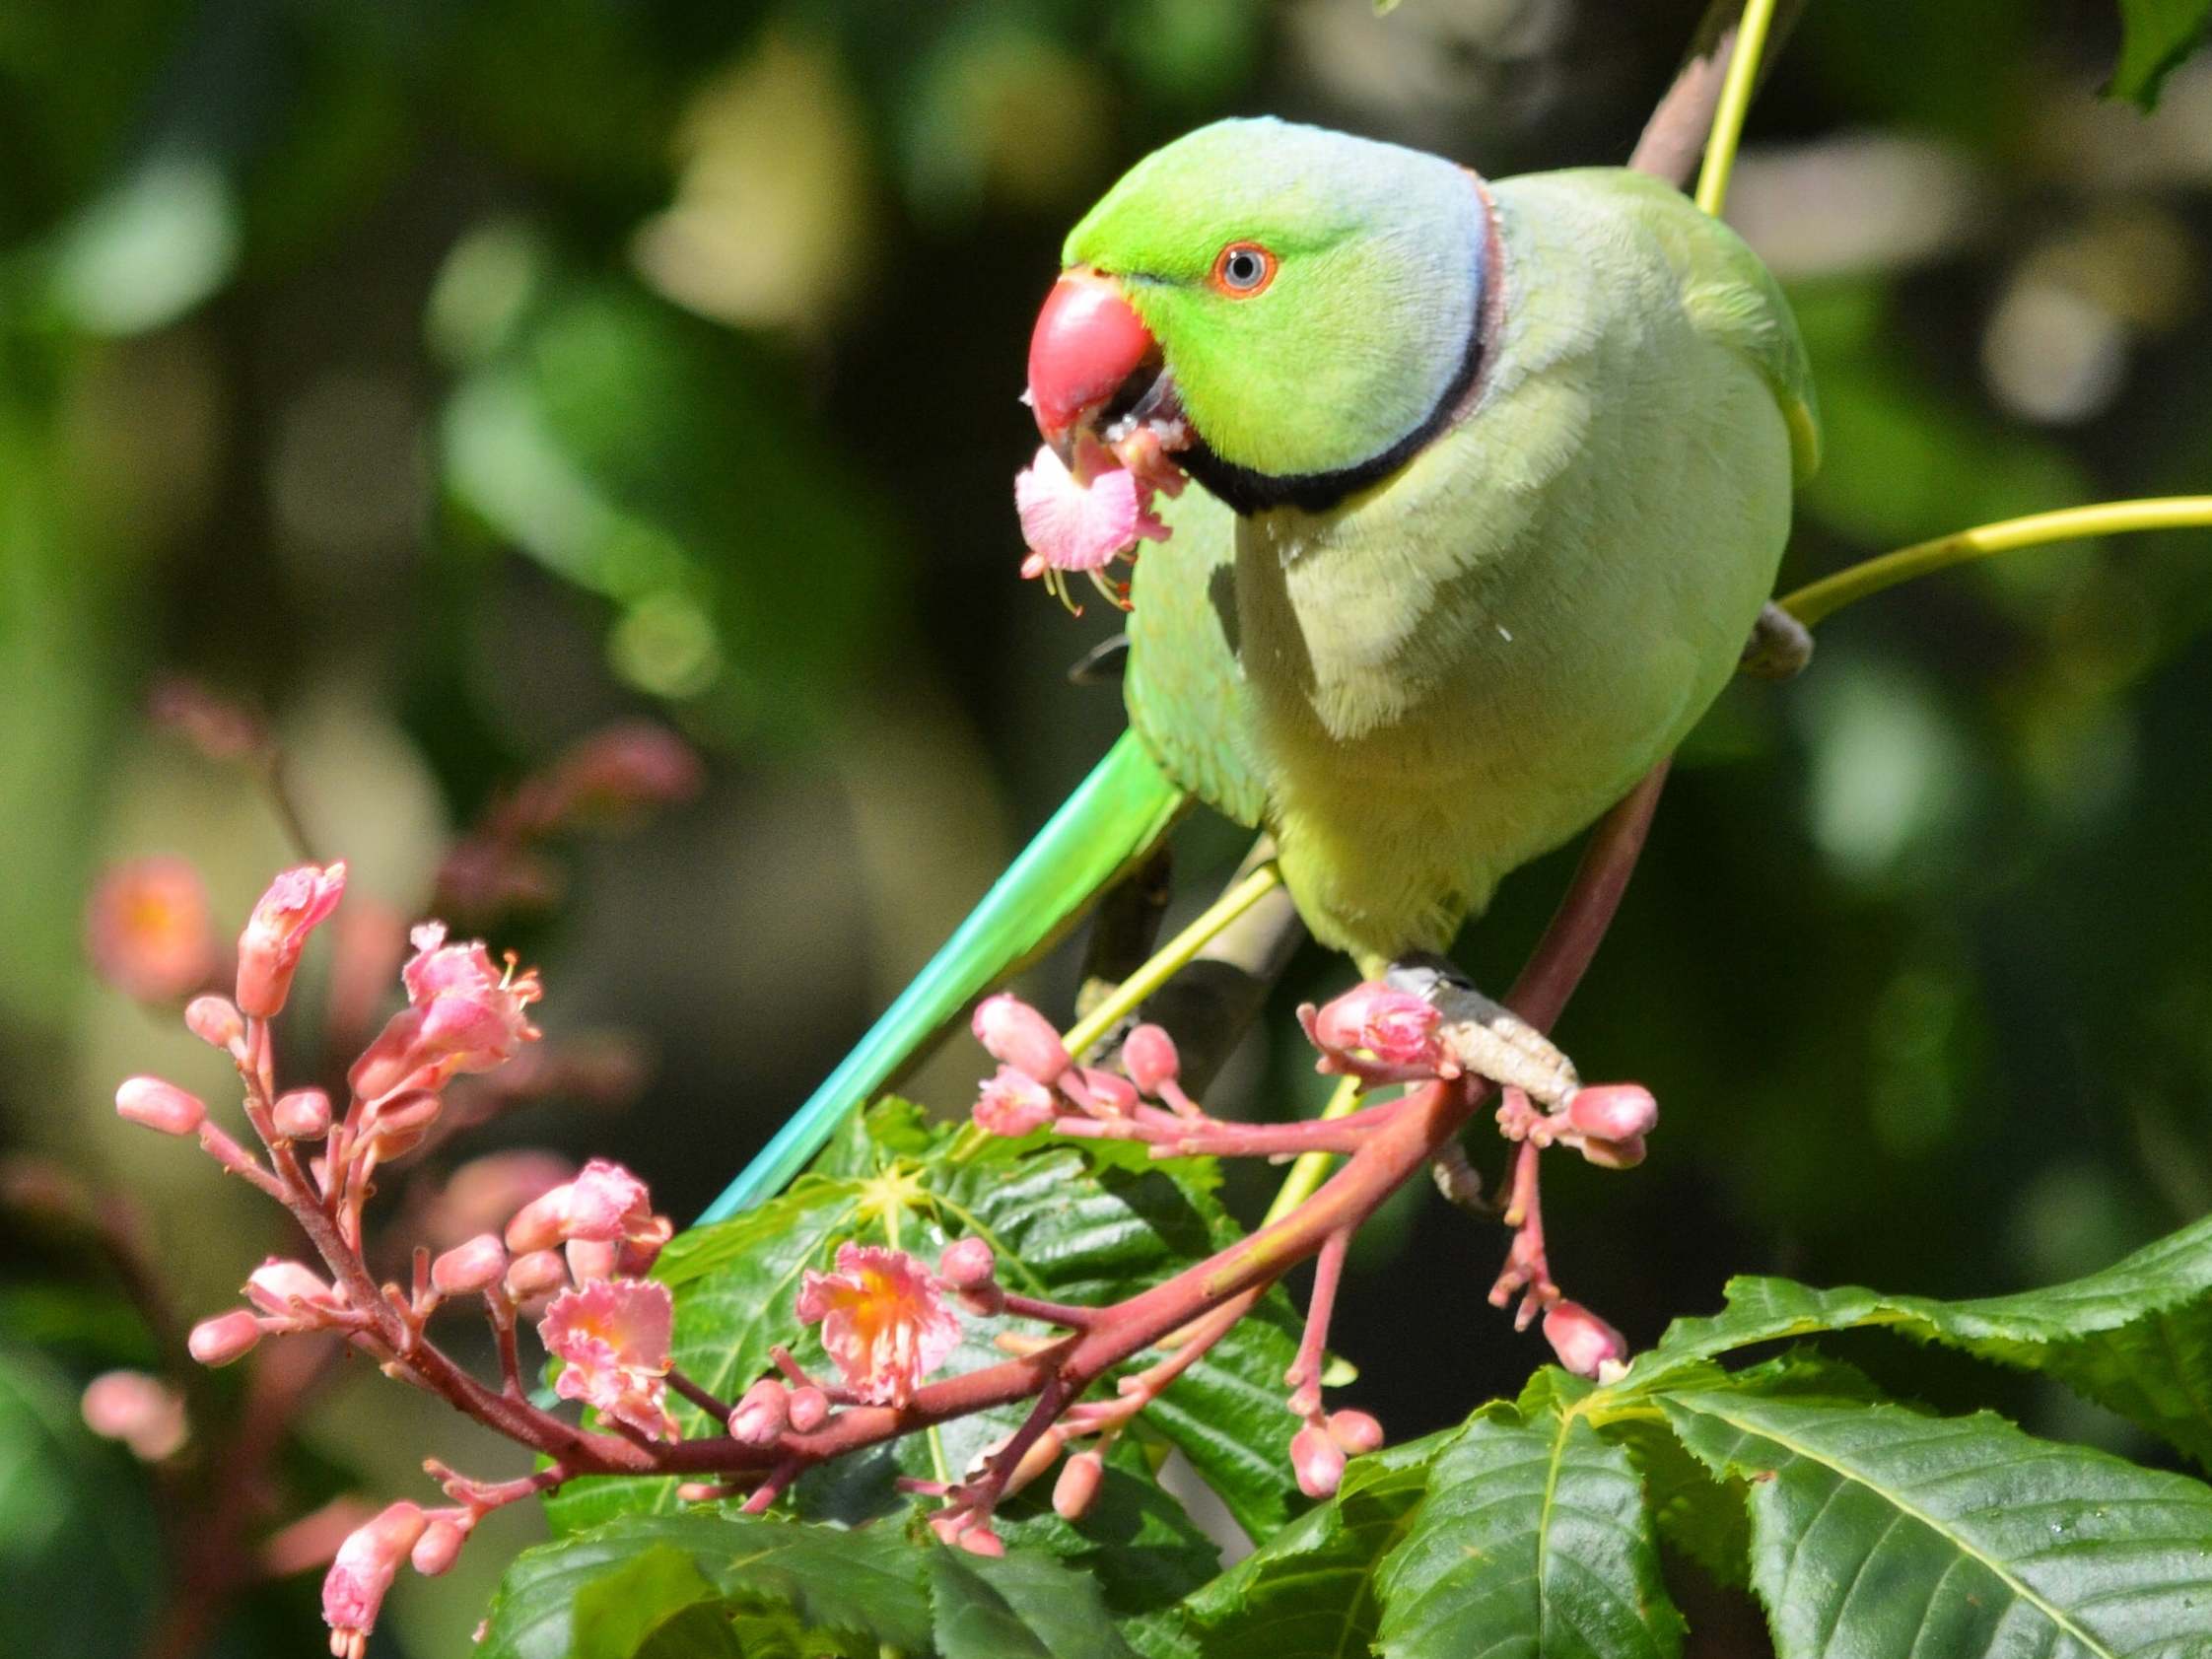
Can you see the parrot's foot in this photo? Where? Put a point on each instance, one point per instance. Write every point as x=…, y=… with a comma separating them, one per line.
x=1489, y=1038
x=1779, y=647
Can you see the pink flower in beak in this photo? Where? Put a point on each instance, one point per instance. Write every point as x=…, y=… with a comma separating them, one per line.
x=883, y=1321
x=612, y=1338
x=297, y=903
x=462, y=1015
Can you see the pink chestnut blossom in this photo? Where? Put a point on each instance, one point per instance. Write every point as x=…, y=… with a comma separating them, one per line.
x=160, y=1105
x=809, y=1409
x=1612, y=1112
x=462, y=1015
x=1154, y=1066
x=1013, y=1104
x=469, y=1267
x=1357, y=1432
x=297, y=901
x=1077, y=1486
x=1317, y=1461
x=353, y=1591
x=223, y=1338
x=149, y=930
x=612, y=1337
x=143, y=1412
x=1073, y=523
x=440, y=1546
x=302, y=1114
x=760, y=1418
x=604, y=1204
x=217, y=1022
x=967, y=1264
x=534, y=1273
x=1397, y=1028
x=1583, y=1342
x=1018, y=1035
x=278, y=1282
x=883, y=1321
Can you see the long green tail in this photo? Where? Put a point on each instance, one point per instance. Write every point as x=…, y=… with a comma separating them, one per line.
x=1115, y=816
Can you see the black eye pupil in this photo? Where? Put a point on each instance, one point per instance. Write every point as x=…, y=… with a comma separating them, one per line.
x=1243, y=268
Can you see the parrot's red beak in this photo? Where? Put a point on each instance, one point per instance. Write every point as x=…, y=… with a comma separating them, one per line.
x=1088, y=346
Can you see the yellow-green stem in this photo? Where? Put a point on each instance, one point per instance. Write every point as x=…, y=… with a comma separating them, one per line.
x=1308, y=1174
x=1735, y=103
x=1170, y=959
x=1821, y=600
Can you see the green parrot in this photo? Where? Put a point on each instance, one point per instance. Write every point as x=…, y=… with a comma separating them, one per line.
x=1490, y=481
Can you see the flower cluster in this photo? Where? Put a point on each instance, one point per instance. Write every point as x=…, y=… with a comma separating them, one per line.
x=573, y=1250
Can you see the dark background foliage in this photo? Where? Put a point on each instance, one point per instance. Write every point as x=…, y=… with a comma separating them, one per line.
x=445, y=379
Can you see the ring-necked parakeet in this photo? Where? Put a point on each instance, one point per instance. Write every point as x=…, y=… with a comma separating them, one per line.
x=1492, y=481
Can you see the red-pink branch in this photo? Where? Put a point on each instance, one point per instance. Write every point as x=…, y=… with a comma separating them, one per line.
x=1391, y=1154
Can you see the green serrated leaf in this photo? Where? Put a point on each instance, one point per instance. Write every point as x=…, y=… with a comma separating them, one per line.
x=706, y=1632
x=1703, y=1514
x=1532, y=1541
x=1877, y=1531
x=1308, y=1592
x=616, y=1615
x=1019, y=1607
x=2157, y=36
x=2135, y=1337
x=850, y=1584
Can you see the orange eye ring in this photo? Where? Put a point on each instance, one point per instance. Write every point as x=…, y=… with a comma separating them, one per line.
x=1242, y=270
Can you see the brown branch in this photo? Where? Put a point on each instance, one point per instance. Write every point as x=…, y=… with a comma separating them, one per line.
x=1675, y=137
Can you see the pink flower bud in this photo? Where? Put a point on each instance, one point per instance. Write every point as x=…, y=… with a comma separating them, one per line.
x=605, y=1203
x=1614, y=1154
x=1077, y=1486
x=1582, y=1340
x=540, y=1224
x=1013, y=1104
x=141, y=1410
x=1149, y=1054
x=1043, y=1453
x=1355, y=1432
x=641, y=1247
x=302, y=1114
x=1110, y=1093
x=160, y=1105
x=471, y=1267
x=225, y=1338
x=809, y=1409
x=1317, y=1461
x=591, y=1258
x=353, y=1591
x=981, y=1540
x=1613, y=1111
x=534, y=1273
x=297, y=903
x=1018, y=1035
x=398, y=1127
x=760, y=1418
x=1397, y=1028
x=215, y=1022
x=277, y=1283
x=439, y=1546
x=967, y=1264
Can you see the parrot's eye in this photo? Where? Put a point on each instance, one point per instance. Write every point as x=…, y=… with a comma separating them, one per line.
x=1243, y=269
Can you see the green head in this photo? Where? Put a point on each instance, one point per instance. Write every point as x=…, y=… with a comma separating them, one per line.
x=1314, y=296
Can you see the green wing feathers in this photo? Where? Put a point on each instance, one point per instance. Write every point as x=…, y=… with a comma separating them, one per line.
x=1730, y=297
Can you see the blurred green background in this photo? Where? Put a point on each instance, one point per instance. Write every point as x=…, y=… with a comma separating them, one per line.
x=445, y=380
